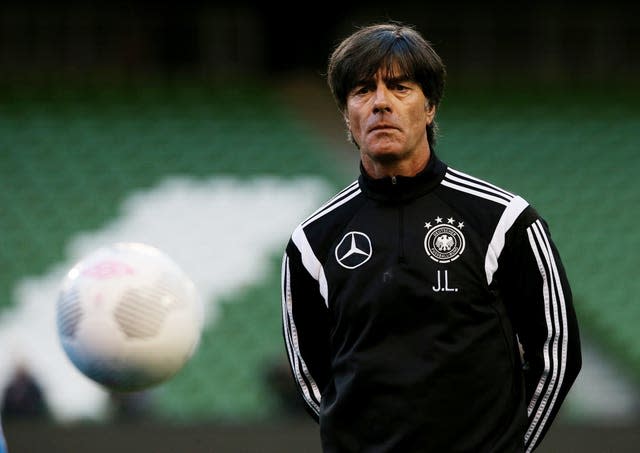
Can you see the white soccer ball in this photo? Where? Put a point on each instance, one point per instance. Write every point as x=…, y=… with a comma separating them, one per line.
x=128, y=317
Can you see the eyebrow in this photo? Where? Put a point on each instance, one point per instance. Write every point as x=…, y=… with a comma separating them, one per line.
x=398, y=79
x=387, y=80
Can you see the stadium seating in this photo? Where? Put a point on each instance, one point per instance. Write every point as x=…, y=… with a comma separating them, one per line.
x=68, y=159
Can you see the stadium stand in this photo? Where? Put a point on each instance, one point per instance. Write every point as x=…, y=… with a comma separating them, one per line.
x=69, y=158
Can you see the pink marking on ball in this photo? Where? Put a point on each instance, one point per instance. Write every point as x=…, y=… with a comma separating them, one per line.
x=108, y=269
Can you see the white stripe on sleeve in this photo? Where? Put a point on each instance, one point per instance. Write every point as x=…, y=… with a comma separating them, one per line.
x=555, y=346
x=308, y=386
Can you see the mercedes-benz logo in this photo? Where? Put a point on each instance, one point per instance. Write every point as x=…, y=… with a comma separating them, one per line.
x=353, y=250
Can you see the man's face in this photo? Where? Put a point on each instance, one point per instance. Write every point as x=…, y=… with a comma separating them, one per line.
x=387, y=117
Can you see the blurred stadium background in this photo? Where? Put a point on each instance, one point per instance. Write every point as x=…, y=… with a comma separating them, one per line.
x=207, y=129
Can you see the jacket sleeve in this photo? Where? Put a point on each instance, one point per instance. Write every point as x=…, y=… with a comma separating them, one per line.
x=539, y=299
x=305, y=322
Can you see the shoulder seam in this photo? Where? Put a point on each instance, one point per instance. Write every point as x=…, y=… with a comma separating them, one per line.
x=463, y=182
x=346, y=194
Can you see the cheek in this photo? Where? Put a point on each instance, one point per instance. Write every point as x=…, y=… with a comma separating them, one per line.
x=355, y=112
x=421, y=117
x=353, y=123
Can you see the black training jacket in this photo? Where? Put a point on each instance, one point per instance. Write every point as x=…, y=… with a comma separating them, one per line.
x=428, y=314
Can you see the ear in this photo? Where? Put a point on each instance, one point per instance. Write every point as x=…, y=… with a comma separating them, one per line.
x=431, y=111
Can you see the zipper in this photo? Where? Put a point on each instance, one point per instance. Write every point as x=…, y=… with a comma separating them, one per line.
x=401, y=257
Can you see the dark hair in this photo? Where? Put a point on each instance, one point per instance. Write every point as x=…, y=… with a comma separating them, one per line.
x=392, y=47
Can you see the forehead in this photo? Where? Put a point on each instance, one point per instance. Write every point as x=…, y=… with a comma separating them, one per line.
x=385, y=71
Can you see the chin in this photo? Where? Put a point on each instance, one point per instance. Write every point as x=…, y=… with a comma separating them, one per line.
x=386, y=155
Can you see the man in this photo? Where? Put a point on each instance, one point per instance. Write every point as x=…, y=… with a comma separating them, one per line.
x=424, y=310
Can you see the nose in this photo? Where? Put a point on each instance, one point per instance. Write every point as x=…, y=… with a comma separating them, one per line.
x=381, y=100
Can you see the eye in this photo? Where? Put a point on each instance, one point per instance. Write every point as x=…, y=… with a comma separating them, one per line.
x=361, y=89
x=399, y=87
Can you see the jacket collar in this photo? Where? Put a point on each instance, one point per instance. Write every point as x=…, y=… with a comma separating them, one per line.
x=404, y=188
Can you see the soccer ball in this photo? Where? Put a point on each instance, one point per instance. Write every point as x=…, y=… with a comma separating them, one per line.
x=128, y=317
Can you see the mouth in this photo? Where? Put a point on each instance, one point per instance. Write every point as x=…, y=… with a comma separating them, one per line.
x=382, y=127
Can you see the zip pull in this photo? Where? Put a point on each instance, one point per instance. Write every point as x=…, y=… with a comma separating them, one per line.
x=394, y=181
